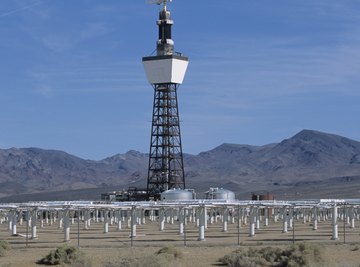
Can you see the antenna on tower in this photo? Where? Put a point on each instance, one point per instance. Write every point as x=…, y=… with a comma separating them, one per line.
x=159, y=2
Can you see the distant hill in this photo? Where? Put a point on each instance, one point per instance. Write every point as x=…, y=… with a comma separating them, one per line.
x=34, y=170
x=310, y=164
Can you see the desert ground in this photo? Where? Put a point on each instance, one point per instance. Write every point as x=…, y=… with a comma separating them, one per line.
x=102, y=248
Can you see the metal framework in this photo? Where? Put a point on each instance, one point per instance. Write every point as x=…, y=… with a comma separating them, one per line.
x=166, y=167
x=196, y=203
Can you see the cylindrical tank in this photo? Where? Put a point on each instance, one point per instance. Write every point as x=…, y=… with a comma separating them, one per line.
x=176, y=194
x=220, y=193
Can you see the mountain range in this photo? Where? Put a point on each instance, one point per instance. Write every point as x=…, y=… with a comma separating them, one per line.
x=311, y=164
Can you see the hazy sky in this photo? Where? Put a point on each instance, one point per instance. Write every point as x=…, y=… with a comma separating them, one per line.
x=71, y=76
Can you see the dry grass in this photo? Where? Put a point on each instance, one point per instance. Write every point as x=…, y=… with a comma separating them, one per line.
x=167, y=256
x=4, y=246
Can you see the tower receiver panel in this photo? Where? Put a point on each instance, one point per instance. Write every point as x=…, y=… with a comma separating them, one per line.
x=165, y=69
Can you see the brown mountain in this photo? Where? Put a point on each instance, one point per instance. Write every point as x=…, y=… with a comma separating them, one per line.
x=310, y=164
x=34, y=170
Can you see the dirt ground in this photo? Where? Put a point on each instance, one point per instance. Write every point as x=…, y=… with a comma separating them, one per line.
x=101, y=248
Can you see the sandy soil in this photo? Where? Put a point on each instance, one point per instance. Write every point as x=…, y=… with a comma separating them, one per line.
x=102, y=248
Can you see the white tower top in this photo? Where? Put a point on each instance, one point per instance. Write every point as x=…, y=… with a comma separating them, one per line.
x=167, y=66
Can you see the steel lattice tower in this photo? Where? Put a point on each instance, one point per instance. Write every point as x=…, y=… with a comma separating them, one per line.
x=165, y=72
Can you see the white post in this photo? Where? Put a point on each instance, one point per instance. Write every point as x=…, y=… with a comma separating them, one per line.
x=171, y=219
x=322, y=215
x=352, y=215
x=111, y=214
x=225, y=213
x=202, y=219
x=86, y=221
x=66, y=226
x=211, y=216
x=119, y=220
x=194, y=217
x=33, y=225
x=59, y=214
x=106, y=221
x=315, y=224
x=266, y=214
x=143, y=217
x=257, y=218
x=241, y=212
x=291, y=218
x=334, y=223
x=206, y=217
x=161, y=219
x=151, y=216
x=285, y=220
x=276, y=216
x=181, y=221
x=252, y=222
x=304, y=216
x=13, y=223
x=232, y=217
x=133, y=222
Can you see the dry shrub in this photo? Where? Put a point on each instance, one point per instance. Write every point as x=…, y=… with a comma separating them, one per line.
x=65, y=256
x=298, y=255
x=167, y=256
x=4, y=246
x=147, y=261
x=170, y=251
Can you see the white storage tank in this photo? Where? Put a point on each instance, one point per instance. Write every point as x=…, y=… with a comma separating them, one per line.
x=220, y=193
x=177, y=194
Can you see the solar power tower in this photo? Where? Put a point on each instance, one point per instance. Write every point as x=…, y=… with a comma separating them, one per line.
x=165, y=71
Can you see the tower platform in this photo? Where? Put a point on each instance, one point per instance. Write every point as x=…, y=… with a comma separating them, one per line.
x=165, y=69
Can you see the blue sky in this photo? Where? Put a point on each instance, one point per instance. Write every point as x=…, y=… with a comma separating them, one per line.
x=71, y=76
